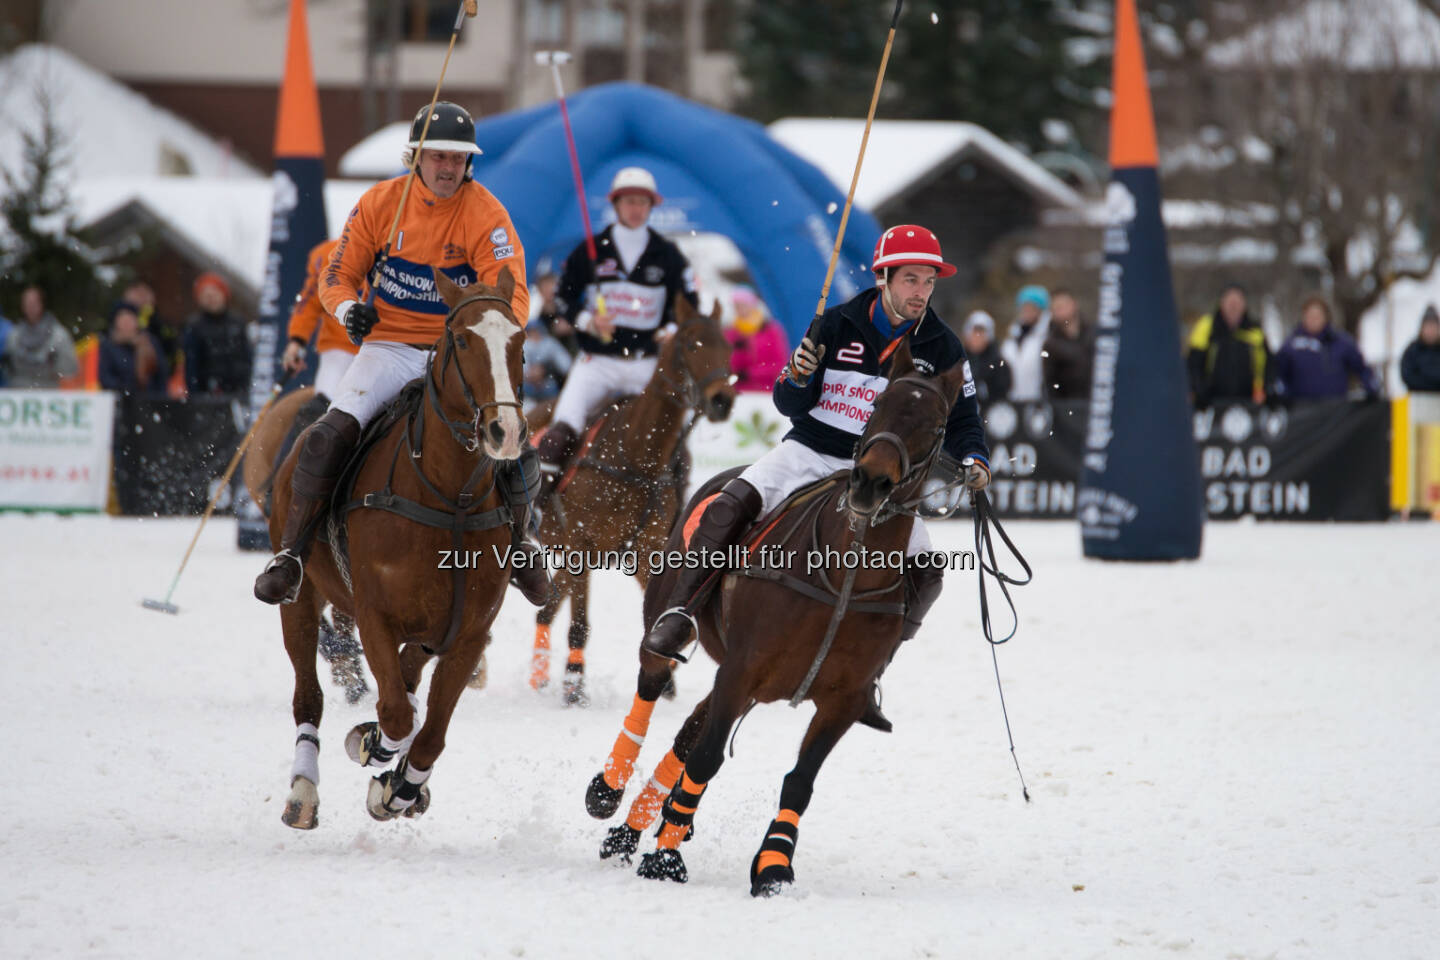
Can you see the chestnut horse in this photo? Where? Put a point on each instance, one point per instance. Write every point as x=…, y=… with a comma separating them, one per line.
x=768, y=623
x=275, y=435
x=421, y=489
x=627, y=481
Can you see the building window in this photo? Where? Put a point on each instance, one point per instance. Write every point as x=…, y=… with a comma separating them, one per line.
x=430, y=21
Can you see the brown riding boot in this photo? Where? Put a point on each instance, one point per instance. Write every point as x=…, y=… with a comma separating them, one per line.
x=555, y=449
x=327, y=445
x=733, y=509
x=519, y=484
x=922, y=589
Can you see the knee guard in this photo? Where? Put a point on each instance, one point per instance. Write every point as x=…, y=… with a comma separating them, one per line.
x=328, y=445
x=519, y=480
x=738, y=502
x=922, y=588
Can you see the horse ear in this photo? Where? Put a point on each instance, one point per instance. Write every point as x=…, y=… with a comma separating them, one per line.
x=449, y=291
x=684, y=312
x=715, y=314
x=506, y=283
x=901, y=361
x=952, y=380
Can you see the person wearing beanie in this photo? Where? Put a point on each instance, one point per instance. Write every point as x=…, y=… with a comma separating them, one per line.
x=1420, y=364
x=1025, y=343
x=217, y=351
x=992, y=373
x=132, y=360
x=758, y=344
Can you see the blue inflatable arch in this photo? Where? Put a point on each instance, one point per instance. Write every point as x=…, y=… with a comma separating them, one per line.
x=718, y=174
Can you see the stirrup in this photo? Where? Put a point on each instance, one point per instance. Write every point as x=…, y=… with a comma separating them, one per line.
x=274, y=564
x=647, y=644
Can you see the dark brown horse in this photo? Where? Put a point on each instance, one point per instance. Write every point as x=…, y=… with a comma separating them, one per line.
x=767, y=623
x=275, y=435
x=627, y=481
x=422, y=498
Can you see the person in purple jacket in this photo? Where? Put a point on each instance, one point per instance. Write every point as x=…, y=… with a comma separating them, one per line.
x=1318, y=360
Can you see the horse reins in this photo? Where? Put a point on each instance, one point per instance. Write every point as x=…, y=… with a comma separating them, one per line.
x=466, y=433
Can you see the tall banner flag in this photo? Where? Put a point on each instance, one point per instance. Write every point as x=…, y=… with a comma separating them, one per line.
x=297, y=224
x=1139, y=495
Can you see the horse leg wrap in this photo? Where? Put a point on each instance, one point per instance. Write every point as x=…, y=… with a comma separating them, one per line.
x=650, y=799
x=678, y=813
x=405, y=788
x=540, y=658
x=307, y=753
x=621, y=762
x=771, y=869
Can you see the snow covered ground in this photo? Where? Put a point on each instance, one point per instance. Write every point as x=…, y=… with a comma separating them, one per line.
x=1234, y=758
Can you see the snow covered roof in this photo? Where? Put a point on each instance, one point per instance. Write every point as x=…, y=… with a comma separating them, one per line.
x=902, y=152
x=111, y=130
x=227, y=220
x=378, y=155
x=1376, y=34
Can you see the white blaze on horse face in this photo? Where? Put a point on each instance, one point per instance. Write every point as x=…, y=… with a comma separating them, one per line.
x=496, y=331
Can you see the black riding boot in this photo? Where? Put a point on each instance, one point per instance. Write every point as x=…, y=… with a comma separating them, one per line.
x=735, y=508
x=327, y=445
x=556, y=447
x=922, y=589
x=519, y=483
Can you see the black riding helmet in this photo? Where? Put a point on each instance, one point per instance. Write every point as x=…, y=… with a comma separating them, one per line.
x=451, y=128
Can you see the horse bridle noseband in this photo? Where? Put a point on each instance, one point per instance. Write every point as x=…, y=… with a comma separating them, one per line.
x=910, y=473
x=466, y=433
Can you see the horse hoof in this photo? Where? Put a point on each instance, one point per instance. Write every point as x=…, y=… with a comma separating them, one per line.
x=481, y=676
x=601, y=799
x=380, y=793
x=621, y=841
x=772, y=880
x=302, y=807
x=575, y=695
x=663, y=865
x=360, y=741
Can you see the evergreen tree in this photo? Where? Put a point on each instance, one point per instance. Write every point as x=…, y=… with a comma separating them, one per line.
x=39, y=241
x=1003, y=64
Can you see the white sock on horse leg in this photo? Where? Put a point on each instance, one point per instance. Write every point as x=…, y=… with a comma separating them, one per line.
x=307, y=753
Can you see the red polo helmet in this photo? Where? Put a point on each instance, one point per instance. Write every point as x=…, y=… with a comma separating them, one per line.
x=910, y=243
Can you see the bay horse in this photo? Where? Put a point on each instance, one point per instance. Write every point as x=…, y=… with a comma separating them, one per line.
x=627, y=480
x=768, y=624
x=275, y=436
x=424, y=488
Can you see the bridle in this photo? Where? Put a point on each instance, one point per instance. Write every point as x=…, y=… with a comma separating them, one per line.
x=910, y=473
x=688, y=392
x=466, y=433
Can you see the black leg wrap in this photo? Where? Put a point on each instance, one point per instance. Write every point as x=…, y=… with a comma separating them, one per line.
x=621, y=841
x=601, y=799
x=780, y=837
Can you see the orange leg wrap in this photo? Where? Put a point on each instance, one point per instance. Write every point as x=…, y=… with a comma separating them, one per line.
x=647, y=805
x=540, y=658
x=621, y=762
x=576, y=656
x=672, y=833
x=769, y=855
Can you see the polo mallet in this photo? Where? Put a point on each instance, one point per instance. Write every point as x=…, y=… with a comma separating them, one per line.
x=814, y=328
x=553, y=59
x=468, y=8
x=165, y=606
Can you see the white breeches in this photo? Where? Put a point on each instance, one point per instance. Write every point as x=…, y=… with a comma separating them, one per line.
x=593, y=378
x=791, y=465
x=376, y=376
x=333, y=364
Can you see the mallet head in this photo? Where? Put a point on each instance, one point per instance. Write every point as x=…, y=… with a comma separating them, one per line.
x=548, y=58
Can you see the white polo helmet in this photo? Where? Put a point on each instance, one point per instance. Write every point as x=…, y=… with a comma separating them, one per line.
x=634, y=180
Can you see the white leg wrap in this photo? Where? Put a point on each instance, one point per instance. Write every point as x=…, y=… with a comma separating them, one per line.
x=307, y=754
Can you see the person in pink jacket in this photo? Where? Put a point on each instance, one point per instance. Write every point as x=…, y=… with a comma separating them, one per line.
x=760, y=346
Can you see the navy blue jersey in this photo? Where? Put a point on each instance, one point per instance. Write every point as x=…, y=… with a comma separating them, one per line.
x=830, y=412
x=639, y=302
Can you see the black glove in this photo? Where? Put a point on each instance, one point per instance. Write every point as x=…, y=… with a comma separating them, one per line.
x=359, y=321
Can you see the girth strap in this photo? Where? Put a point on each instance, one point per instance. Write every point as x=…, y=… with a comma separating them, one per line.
x=823, y=596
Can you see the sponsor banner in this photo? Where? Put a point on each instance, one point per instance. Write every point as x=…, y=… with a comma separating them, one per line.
x=55, y=449
x=1327, y=460
x=170, y=454
x=754, y=428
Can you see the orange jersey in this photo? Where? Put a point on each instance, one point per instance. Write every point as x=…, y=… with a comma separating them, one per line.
x=468, y=236
x=310, y=313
